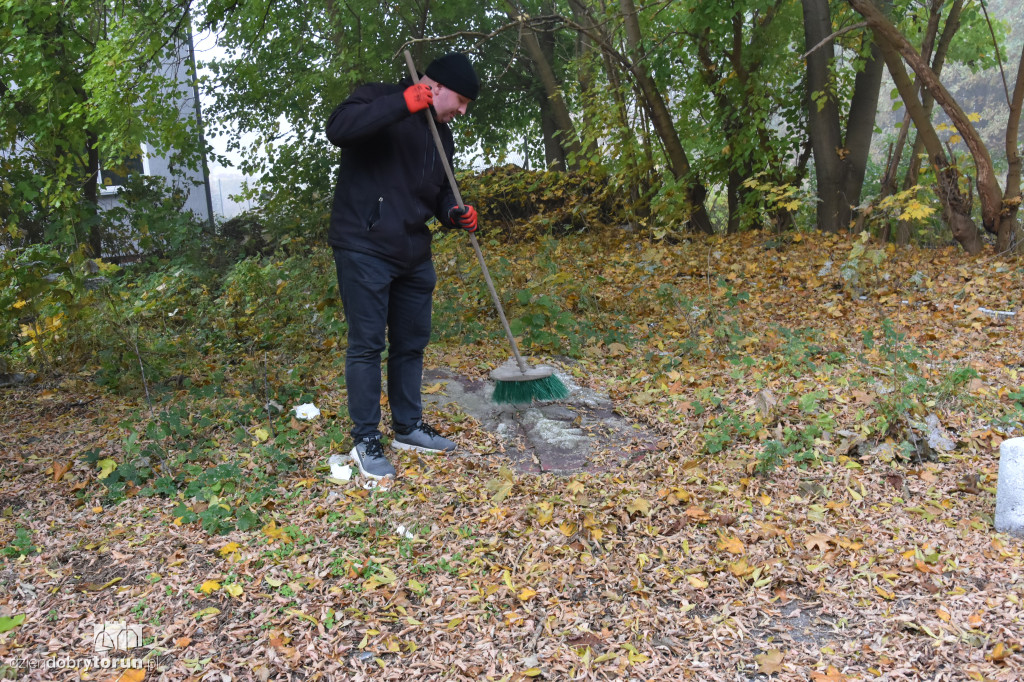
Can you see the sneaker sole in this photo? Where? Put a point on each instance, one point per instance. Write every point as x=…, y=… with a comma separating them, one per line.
x=417, y=448
x=364, y=472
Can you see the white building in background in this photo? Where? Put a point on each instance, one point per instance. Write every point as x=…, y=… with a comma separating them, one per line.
x=225, y=188
x=194, y=184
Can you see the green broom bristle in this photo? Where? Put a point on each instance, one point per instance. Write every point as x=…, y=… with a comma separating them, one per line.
x=518, y=392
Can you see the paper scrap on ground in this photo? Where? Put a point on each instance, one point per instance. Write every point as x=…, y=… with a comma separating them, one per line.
x=339, y=469
x=307, y=411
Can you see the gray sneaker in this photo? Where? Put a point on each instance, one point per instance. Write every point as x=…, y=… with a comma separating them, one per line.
x=368, y=454
x=422, y=438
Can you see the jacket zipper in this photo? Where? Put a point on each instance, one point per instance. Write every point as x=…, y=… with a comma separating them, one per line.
x=375, y=215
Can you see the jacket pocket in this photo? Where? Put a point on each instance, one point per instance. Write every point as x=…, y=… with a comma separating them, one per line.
x=374, y=217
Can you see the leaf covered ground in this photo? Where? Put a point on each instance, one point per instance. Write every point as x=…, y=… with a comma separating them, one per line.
x=794, y=520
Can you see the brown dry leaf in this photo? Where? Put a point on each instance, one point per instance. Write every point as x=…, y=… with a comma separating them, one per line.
x=821, y=541
x=770, y=662
x=697, y=514
x=831, y=674
x=60, y=469
x=182, y=642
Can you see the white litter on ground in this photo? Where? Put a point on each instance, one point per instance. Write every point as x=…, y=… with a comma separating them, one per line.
x=307, y=411
x=339, y=469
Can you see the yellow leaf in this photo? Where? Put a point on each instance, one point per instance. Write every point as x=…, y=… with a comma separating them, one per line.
x=731, y=544
x=18, y=305
x=999, y=653
x=740, y=568
x=274, y=533
x=203, y=613
x=885, y=594
x=568, y=528
x=234, y=589
x=527, y=594
x=209, y=586
x=696, y=582
x=435, y=388
x=230, y=548
x=639, y=506
x=132, y=675
x=107, y=467
x=261, y=434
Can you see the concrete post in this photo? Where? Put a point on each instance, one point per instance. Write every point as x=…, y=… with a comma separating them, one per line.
x=1010, y=488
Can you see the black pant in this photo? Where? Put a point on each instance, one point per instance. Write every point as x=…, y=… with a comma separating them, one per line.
x=375, y=295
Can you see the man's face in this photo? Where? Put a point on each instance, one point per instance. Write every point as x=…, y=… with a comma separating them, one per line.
x=448, y=104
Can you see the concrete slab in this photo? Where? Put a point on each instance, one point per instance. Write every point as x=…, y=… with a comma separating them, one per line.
x=581, y=433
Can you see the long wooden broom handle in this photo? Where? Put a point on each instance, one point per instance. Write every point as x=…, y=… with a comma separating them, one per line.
x=472, y=237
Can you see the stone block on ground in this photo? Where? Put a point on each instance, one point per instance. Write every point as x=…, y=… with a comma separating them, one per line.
x=1010, y=489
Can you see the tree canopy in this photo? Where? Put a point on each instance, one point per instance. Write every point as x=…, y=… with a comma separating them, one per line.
x=702, y=116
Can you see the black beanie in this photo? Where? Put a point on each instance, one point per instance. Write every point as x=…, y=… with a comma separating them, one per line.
x=454, y=71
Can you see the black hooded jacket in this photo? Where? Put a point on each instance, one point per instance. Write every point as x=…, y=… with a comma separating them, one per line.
x=391, y=179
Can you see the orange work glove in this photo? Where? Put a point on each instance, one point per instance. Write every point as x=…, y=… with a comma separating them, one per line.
x=418, y=97
x=463, y=217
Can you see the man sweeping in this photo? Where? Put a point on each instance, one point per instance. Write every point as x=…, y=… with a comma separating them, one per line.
x=391, y=181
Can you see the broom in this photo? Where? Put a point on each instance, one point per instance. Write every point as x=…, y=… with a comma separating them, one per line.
x=514, y=382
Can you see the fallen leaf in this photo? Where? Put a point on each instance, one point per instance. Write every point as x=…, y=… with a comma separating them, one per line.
x=770, y=662
x=1000, y=652
x=696, y=582
x=209, y=586
x=230, y=548
x=60, y=469
x=107, y=467
x=527, y=594
x=8, y=623
x=731, y=544
x=639, y=506
x=818, y=540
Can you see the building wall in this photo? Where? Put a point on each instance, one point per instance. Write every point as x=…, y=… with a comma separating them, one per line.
x=193, y=183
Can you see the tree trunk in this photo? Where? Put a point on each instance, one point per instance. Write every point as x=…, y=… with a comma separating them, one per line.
x=554, y=154
x=839, y=164
x=860, y=126
x=956, y=206
x=950, y=29
x=90, y=196
x=565, y=131
x=1010, y=237
x=888, y=182
x=661, y=119
x=987, y=184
